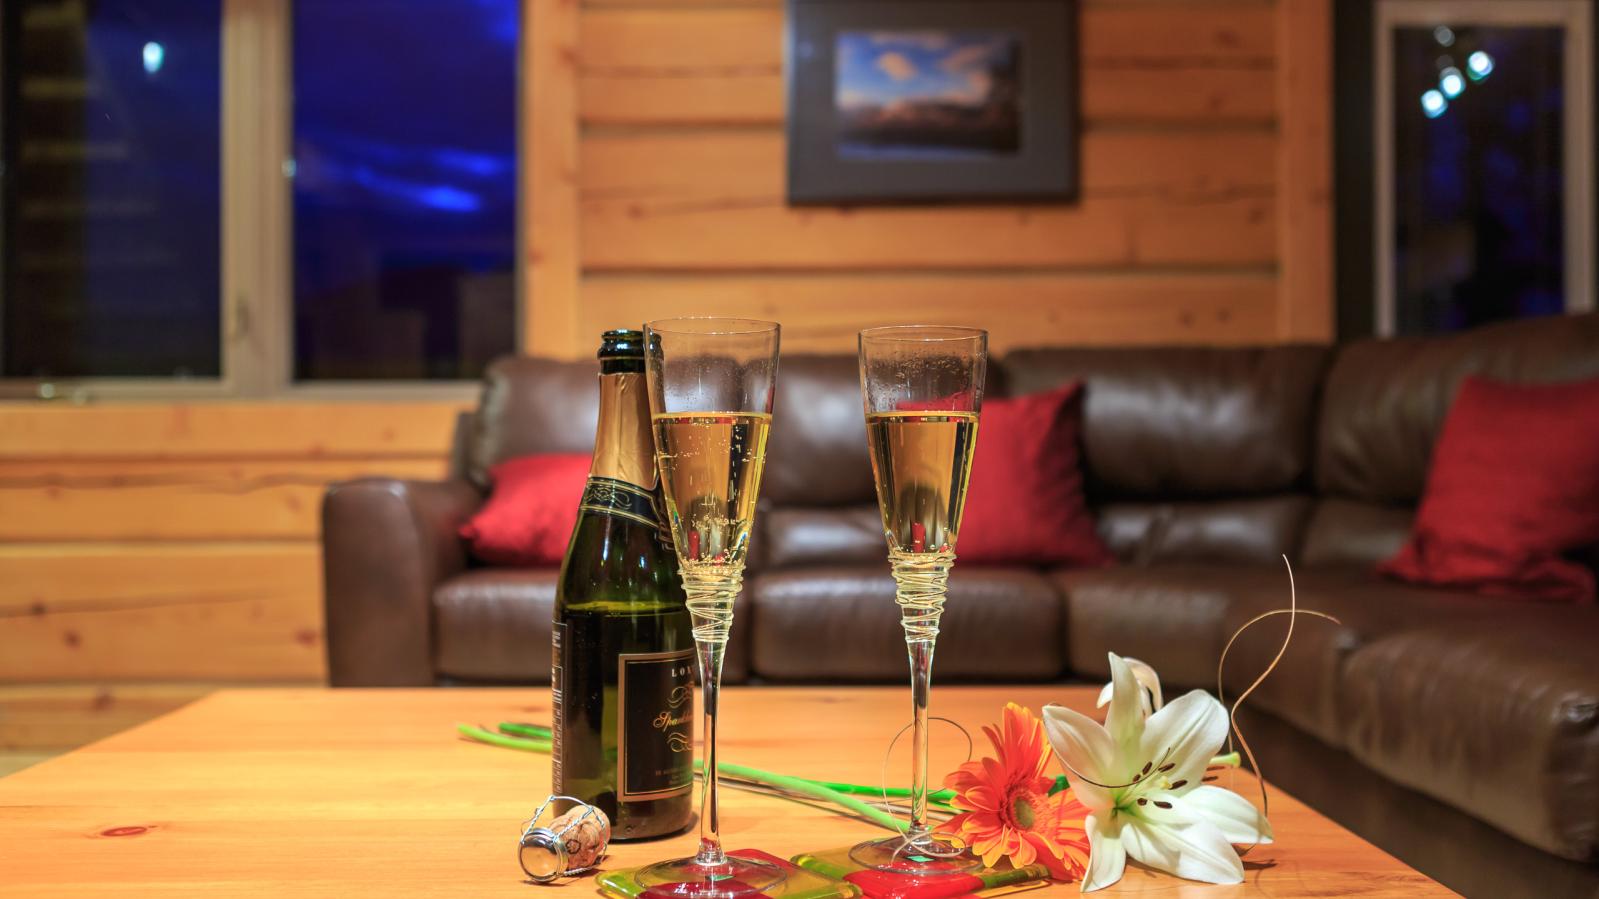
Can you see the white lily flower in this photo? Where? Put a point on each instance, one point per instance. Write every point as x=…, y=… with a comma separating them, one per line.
x=1142, y=778
x=1148, y=681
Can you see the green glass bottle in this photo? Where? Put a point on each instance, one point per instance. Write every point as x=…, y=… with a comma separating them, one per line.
x=623, y=653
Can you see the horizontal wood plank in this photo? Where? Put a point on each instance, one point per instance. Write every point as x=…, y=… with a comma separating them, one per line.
x=740, y=167
x=1121, y=35
x=38, y=718
x=709, y=202
x=230, y=430
x=750, y=233
x=226, y=611
x=170, y=500
x=1018, y=310
x=1140, y=63
x=1109, y=97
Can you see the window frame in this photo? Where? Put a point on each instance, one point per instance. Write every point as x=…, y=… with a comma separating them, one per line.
x=1575, y=16
x=256, y=293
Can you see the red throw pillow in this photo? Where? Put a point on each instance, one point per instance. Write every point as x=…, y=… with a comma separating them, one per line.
x=531, y=510
x=1514, y=483
x=1026, y=503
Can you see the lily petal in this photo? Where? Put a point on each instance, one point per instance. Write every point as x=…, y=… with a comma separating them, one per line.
x=1107, y=858
x=1186, y=734
x=1085, y=748
x=1146, y=677
x=1184, y=845
x=1125, y=720
x=1236, y=817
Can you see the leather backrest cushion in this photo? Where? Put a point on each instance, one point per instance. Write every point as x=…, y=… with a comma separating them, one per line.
x=1353, y=532
x=1182, y=421
x=533, y=406
x=817, y=452
x=796, y=536
x=1385, y=400
x=1254, y=531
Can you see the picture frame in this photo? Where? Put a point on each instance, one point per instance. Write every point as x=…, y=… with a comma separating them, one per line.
x=932, y=101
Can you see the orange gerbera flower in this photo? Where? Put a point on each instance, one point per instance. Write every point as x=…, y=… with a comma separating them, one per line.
x=1007, y=809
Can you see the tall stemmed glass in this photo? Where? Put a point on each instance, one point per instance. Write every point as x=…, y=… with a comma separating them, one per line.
x=711, y=382
x=923, y=388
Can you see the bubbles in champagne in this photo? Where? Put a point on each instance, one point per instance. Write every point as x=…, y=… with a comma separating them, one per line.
x=711, y=475
x=922, y=461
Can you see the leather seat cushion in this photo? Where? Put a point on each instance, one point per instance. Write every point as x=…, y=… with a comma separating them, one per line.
x=790, y=537
x=817, y=452
x=1255, y=531
x=1497, y=717
x=532, y=406
x=493, y=625
x=1346, y=532
x=1170, y=616
x=841, y=624
x=1176, y=422
x=1307, y=685
x=1385, y=400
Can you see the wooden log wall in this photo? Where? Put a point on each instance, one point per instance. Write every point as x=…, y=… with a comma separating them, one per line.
x=1203, y=216
x=151, y=551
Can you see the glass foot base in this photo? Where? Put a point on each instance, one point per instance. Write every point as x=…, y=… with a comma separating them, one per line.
x=919, y=855
x=736, y=878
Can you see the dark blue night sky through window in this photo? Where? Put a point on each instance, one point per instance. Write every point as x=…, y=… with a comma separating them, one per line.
x=405, y=132
x=1479, y=178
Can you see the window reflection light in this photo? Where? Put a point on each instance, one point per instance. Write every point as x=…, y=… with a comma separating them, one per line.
x=1451, y=82
x=1434, y=104
x=1444, y=35
x=154, y=55
x=1480, y=65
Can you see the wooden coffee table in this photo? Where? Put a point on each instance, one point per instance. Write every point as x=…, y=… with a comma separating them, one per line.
x=355, y=793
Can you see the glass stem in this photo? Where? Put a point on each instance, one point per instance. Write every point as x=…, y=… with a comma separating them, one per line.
x=710, y=656
x=711, y=591
x=921, y=655
x=920, y=581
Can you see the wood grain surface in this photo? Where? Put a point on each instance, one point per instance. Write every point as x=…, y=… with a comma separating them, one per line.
x=369, y=793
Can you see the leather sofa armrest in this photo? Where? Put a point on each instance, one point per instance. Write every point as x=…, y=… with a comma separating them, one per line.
x=386, y=544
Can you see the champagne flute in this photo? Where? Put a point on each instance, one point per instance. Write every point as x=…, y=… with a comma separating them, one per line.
x=711, y=382
x=923, y=390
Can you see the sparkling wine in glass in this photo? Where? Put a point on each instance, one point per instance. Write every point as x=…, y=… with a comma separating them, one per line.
x=711, y=382
x=923, y=390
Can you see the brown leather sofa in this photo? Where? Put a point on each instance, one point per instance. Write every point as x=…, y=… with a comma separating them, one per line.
x=1457, y=731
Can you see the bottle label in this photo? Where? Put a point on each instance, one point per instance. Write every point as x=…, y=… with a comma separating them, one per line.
x=624, y=499
x=655, y=720
x=557, y=707
x=609, y=496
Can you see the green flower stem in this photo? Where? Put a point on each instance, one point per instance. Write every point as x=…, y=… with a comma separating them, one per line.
x=942, y=797
x=494, y=739
x=526, y=730
x=809, y=788
x=792, y=784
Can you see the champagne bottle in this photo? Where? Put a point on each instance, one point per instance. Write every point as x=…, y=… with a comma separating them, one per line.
x=623, y=653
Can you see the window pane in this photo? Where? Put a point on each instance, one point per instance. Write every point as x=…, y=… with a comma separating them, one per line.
x=111, y=253
x=1479, y=120
x=405, y=187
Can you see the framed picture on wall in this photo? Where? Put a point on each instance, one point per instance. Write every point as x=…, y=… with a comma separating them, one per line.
x=911, y=101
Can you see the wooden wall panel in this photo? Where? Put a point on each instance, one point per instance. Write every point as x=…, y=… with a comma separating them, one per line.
x=1021, y=310
x=227, y=430
x=741, y=167
x=179, y=500
x=246, y=611
x=682, y=200
x=1140, y=63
